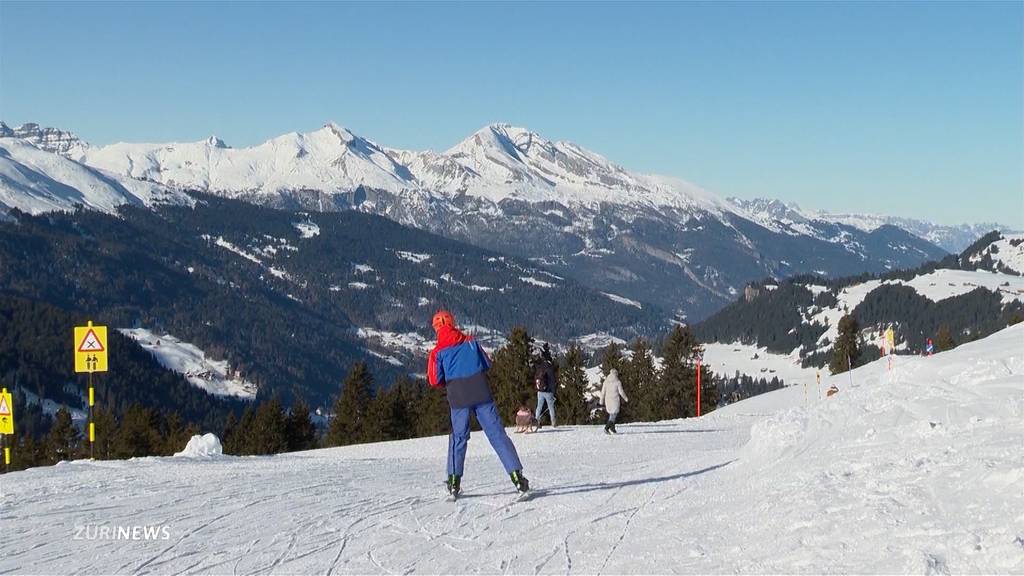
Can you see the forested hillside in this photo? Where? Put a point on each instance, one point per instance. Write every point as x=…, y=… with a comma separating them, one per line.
x=280, y=295
x=967, y=296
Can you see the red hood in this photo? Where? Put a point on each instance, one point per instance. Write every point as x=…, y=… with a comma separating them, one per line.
x=449, y=336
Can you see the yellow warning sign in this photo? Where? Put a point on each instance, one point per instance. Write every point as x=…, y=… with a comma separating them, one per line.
x=890, y=339
x=6, y=413
x=90, y=348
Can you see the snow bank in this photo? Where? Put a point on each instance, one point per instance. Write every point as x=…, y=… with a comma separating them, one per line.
x=204, y=446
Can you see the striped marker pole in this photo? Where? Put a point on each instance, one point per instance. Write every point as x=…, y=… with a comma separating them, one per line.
x=92, y=424
x=698, y=387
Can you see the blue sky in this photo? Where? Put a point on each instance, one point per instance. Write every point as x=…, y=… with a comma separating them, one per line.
x=912, y=109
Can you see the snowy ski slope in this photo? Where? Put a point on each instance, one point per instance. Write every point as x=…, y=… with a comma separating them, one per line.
x=914, y=471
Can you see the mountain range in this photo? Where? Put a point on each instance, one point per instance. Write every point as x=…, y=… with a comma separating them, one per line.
x=647, y=238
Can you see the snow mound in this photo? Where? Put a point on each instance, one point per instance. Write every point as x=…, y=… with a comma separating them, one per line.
x=204, y=446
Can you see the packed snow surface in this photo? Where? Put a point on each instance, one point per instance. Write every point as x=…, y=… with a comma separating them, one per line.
x=214, y=376
x=918, y=470
x=203, y=446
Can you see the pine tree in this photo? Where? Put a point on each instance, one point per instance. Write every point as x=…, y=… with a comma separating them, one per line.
x=433, y=415
x=511, y=374
x=611, y=357
x=846, y=350
x=639, y=381
x=63, y=441
x=392, y=412
x=944, y=339
x=176, y=434
x=106, y=430
x=677, y=389
x=27, y=455
x=350, y=420
x=299, y=428
x=228, y=436
x=240, y=440
x=572, y=388
x=138, y=434
x=268, y=435
x=709, y=392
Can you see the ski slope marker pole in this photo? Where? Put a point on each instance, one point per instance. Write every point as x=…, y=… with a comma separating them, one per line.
x=698, y=387
x=92, y=423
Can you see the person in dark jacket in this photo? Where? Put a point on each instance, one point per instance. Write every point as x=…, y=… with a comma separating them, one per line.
x=460, y=365
x=544, y=380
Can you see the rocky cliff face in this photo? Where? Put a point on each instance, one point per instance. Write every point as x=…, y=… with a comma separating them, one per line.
x=49, y=139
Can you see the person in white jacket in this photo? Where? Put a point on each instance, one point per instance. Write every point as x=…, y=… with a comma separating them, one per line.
x=611, y=390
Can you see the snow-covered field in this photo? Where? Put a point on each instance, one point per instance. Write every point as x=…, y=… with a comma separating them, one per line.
x=214, y=376
x=727, y=359
x=914, y=471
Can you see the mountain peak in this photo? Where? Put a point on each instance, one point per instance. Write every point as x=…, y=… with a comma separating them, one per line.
x=343, y=134
x=50, y=139
x=215, y=142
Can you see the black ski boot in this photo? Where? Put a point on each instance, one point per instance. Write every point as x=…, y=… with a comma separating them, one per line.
x=614, y=431
x=520, y=481
x=454, y=486
x=608, y=429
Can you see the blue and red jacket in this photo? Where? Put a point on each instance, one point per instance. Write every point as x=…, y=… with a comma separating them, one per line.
x=458, y=363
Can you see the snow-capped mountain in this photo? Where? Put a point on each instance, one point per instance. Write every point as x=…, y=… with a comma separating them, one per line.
x=49, y=139
x=646, y=238
x=790, y=217
x=35, y=180
x=502, y=162
x=330, y=159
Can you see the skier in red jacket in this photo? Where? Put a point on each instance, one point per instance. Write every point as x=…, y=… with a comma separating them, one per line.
x=459, y=364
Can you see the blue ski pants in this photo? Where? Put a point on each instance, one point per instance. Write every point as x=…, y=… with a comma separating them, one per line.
x=487, y=416
x=543, y=397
